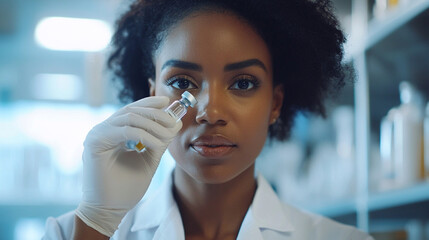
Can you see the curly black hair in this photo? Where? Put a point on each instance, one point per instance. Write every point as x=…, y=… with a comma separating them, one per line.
x=303, y=36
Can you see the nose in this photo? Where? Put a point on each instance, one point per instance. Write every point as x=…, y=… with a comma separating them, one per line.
x=211, y=107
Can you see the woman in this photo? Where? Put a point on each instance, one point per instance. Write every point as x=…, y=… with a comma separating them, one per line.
x=252, y=65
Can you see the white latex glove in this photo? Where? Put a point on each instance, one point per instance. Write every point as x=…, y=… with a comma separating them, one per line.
x=115, y=178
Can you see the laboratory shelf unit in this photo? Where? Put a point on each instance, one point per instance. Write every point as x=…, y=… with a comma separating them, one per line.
x=385, y=51
x=401, y=55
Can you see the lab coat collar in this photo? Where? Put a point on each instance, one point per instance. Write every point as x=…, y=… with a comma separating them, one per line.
x=266, y=212
x=152, y=212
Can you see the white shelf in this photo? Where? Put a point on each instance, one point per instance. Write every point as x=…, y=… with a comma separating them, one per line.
x=399, y=197
x=376, y=201
x=379, y=29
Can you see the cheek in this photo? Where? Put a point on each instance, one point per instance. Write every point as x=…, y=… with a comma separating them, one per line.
x=252, y=124
x=254, y=115
x=254, y=128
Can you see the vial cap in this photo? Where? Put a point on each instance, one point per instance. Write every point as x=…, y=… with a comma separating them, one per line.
x=191, y=99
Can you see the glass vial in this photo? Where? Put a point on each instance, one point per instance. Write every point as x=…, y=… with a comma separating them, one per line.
x=177, y=110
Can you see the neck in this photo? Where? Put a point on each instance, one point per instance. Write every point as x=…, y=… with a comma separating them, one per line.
x=213, y=210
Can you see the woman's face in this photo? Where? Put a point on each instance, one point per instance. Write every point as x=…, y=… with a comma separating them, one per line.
x=226, y=65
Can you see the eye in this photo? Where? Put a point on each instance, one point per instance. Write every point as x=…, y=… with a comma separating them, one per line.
x=245, y=83
x=181, y=82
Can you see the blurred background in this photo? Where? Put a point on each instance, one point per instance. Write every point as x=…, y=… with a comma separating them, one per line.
x=366, y=164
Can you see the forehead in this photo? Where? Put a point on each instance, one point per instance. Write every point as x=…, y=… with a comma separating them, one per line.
x=211, y=38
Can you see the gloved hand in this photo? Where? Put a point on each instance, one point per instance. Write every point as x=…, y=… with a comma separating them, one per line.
x=114, y=177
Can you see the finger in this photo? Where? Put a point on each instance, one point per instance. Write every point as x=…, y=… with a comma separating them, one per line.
x=133, y=134
x=149, y=125
x=156, y=102
x=156, y=115
x=174, y=130
x=119, y=136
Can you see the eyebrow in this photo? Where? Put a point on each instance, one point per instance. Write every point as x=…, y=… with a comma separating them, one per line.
x=182, y=64
x=228, y=67
x=244, y=64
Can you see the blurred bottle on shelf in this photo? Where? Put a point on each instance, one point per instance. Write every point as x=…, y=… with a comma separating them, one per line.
x=409, y=135
x=387, y=165
x=401, y=141
x=426, y=142
x=381, y=7
x=343, y=121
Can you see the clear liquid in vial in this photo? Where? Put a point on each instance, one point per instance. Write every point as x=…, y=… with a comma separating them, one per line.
x=177, y=110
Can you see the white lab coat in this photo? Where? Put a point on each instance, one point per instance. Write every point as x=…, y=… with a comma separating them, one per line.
x=159, y=218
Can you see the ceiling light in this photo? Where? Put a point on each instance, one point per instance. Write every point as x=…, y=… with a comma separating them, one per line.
x=73, y=34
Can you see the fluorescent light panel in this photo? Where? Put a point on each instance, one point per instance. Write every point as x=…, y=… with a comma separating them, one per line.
x=73, y=34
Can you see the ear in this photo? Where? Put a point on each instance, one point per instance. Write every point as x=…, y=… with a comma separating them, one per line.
x=278, y=95
x=151, y=87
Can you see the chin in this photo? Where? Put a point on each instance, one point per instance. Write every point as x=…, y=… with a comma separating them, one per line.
x=212, y=174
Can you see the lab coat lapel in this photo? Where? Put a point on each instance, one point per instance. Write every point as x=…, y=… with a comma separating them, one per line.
x=152, y=212
x=268, y=210
x=249, y=228
x=265, y=213
x=171, y=227
x=160, y=212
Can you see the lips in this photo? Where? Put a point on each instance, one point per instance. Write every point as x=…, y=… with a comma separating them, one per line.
x=212, y=146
